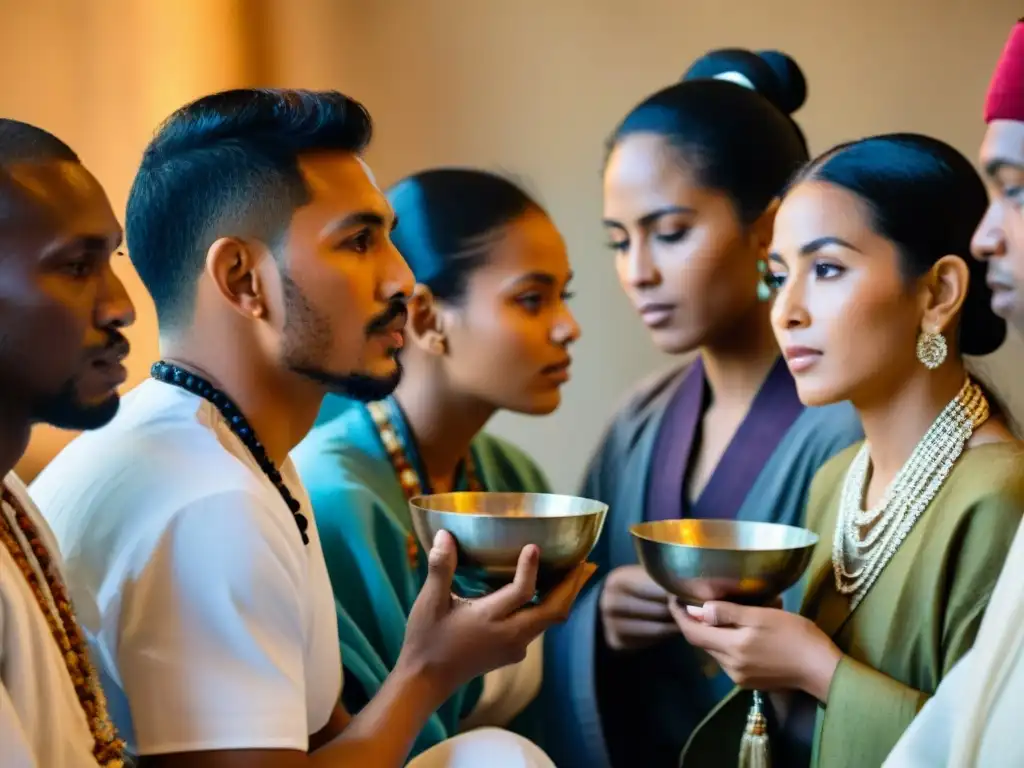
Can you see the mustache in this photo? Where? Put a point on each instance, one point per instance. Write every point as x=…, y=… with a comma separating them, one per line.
x=396, y=310
x=116, y=344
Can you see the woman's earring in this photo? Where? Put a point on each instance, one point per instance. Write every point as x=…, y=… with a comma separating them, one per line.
x=931, y=349
x=764, y=291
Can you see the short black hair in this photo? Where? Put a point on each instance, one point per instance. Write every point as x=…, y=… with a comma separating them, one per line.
x=449, y=217
x=24, y=143
x=927, y=199
x=227, y=165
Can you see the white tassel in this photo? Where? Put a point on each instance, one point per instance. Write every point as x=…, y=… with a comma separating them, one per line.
x=754, y=748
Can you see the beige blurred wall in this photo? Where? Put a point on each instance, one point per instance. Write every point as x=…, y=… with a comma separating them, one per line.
x=530, y=87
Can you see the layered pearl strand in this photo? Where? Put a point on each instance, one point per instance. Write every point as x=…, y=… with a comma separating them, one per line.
x=866, y=540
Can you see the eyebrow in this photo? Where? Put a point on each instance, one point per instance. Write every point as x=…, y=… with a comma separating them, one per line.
x=811, y=248
x=649, y=218
x=97, y=243
x=545, y=278
x=996, y=164
x=362, y=218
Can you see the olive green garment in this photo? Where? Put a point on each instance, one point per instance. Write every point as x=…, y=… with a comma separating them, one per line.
x=919, y=618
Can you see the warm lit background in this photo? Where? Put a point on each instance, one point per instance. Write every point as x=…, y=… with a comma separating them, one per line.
x=527, y=86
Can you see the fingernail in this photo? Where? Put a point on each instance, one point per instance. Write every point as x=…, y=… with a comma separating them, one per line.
x=438, y=538
x=695, y=611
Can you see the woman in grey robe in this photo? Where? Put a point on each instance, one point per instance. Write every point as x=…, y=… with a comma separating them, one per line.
x=690, y=188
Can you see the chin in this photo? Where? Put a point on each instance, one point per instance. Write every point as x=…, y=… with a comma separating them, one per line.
x=814, y=393
x=540, y=405
x=675, y=341
x=67, y=413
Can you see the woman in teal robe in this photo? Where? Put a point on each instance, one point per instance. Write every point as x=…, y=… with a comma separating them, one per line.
x=689, y=189
x=489, y=329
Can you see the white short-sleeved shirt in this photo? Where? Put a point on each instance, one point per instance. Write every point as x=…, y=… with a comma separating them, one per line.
x=212, y=623
x=42, y=723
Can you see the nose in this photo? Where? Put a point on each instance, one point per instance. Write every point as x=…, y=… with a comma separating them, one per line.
x=989, y=240
x=637, y=268
x=397, y=279
x=114, y=308
x=789, y=309
x=566, y=330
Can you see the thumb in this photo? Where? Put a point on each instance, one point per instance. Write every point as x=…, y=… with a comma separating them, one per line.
x=721, y=614
x=440, y=569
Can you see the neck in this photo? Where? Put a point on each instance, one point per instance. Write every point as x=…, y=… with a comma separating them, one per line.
x=896, y=421
x=279, y=405
x=737, y=364
x=15, y=431
x=443, y=423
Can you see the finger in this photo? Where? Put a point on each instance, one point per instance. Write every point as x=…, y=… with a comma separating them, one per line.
x=437, y=588
x=514, y=596
x=627, y=607
x=721, y=614
x=631, y=630
x=556, y=606
x=712, y=639
x=645, y=588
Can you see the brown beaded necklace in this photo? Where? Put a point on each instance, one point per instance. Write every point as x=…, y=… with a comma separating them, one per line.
x=408, y=477
x=107, y=748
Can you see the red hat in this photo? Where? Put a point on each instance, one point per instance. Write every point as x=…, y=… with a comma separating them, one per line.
x=1005, y=100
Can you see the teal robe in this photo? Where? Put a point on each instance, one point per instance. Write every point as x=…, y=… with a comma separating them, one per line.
x=363, y=519
x=656, y=697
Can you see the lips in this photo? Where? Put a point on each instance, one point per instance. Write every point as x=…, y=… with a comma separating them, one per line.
x=800, y=359
x=558, y=371
x=656, y=315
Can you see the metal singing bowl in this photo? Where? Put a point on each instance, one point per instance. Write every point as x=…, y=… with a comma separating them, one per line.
x=738, y=561
x=491, y=530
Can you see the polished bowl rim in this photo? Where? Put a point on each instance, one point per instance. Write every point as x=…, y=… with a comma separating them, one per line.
x=600, y=508
x=812, y=538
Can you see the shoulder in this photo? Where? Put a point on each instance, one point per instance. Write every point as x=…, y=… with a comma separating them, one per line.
x=510, y=460
x=987, y=485
x=644, y=402
x=651, y=391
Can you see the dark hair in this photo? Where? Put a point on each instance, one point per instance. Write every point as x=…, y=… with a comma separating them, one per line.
x=773, y=74
x=24, y=143
x=739, y=141
x=227, y=164
x=449, y=218
x=926, y=198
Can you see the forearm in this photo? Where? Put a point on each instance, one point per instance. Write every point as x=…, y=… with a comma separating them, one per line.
x=383, y=733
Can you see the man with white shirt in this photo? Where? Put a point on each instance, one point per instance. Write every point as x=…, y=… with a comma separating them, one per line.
x=973, y=720
x=265, y=244
x=61, y=311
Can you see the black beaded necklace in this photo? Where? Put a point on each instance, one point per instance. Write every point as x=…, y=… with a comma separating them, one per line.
x=197, y=385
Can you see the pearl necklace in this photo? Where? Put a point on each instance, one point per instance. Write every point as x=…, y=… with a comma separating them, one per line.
x=866, y=540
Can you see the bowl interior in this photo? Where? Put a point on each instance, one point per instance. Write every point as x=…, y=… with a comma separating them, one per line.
x=502, y=504
x=725, y=535
x=491, y=529
x=739, y=561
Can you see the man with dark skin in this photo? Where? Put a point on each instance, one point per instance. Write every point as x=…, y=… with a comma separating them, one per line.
x=974, y=717
x=265, y=244
x=62, y=309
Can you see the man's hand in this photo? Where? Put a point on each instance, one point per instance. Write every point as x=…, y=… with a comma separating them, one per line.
x=453, y=641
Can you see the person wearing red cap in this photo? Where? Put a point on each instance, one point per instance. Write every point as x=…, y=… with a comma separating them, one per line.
x=974, y=717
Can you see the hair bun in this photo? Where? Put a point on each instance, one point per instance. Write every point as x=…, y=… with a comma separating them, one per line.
x=773, y=74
